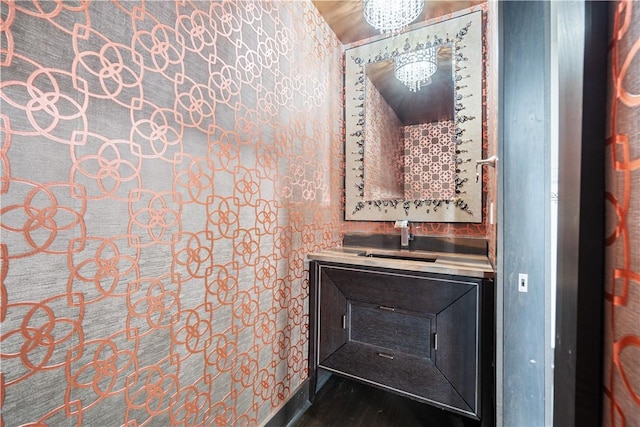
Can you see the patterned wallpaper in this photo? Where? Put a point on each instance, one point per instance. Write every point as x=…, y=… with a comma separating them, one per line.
x=430, y=161
x=383, y=153
x=491, y=47
x=166, y=166
x=622, y=201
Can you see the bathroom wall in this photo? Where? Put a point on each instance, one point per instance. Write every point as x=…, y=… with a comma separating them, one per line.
x=430, y=161
x=166, y=166
x=491, y=126
x=383, y=150
x=622, y=203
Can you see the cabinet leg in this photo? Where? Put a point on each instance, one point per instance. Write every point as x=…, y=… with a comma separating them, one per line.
x=312, y=385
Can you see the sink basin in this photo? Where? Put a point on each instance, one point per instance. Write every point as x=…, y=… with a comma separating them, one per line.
x=408, y=256
x=353, y=251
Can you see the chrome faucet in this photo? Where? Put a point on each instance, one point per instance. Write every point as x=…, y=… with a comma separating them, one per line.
x=405, y=235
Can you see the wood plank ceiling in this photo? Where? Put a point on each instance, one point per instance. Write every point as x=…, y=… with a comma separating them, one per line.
x=346, y=19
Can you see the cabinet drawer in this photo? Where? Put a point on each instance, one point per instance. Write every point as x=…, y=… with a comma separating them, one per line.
x=411, y=376
x=396, y=290
x=397, y=331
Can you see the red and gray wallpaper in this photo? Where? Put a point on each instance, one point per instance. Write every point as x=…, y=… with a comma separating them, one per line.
x=430, y=167
x=166, y=166
x=622, y=202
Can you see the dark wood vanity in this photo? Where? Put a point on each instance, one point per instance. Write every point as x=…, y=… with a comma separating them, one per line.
x=424, y=335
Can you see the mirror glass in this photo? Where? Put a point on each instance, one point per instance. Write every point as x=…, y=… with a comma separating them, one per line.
x=411, y=154
x=409, y=150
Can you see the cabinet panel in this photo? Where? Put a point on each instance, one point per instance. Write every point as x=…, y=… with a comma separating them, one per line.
x=457, y=353
x=394, y=330
x=411, y=376
x=333, y=311
x=404, y=291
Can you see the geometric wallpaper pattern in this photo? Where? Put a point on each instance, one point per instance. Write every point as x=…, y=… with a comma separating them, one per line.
x=622, y=201
x=430, y=160
x=166, y=166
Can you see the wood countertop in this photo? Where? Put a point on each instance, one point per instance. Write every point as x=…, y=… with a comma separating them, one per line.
x=458, y=264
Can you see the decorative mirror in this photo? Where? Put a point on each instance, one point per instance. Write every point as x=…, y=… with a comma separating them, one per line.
x=413, y=117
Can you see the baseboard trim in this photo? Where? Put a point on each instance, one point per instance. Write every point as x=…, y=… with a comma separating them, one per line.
x=293, y=409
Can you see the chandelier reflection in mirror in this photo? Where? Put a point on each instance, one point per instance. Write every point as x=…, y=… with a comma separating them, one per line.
x=414, y=69
x=389, y=16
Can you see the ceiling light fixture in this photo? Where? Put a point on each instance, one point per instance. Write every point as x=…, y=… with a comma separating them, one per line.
x=414, y=69
x=390, y=16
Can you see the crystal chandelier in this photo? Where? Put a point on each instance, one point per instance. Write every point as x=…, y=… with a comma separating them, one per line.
x=414, y=69
x=390, y=16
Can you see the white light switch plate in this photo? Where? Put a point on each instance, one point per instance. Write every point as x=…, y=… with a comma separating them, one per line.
x=523, y=282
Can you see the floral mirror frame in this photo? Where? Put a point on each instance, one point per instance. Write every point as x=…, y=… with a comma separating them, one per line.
x=464, y=34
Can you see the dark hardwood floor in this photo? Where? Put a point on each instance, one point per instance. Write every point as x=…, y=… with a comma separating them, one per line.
x=347, y=403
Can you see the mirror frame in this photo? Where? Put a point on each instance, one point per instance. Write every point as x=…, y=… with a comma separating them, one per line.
x=464, y=33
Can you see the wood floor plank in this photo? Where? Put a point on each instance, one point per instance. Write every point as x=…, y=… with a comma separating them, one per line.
x=348, y=403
